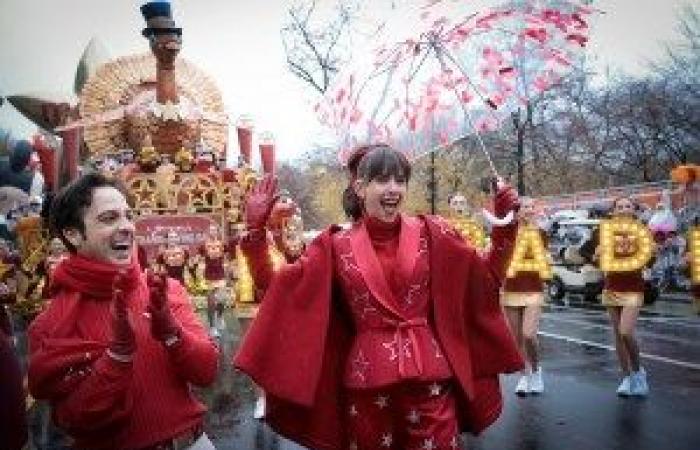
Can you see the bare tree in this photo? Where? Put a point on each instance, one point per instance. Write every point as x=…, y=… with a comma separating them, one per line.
x=317, y=46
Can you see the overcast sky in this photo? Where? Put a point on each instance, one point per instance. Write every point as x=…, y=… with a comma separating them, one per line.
x=238, y=43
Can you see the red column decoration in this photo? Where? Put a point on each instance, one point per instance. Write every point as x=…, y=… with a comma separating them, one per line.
x=71, y=150
x=267, y=153
x=47, y=158
x=245, y=138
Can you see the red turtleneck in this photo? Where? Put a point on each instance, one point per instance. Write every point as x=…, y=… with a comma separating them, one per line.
x=385, y=240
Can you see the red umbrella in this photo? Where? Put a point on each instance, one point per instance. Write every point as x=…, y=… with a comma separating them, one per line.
x=461, y=73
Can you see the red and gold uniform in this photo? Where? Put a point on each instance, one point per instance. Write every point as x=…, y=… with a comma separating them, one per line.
x=525, y=288
x=213, y=270
x=470, y=229
x=623, y=288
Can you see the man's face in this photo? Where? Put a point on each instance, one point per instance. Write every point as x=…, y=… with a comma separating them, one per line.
x=458, y=203
x=383, y=196
x=624, y=208
x=109, y=228
x=527, y=210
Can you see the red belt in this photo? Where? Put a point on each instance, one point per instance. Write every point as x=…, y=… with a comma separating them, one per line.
x=405, y=331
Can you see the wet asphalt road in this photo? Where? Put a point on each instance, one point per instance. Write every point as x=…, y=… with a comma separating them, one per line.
x=578, y=411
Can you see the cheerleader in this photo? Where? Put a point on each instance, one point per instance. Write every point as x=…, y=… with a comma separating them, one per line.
x=522, y=299
x=623, y=296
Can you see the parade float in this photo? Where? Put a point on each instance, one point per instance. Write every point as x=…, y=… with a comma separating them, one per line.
x=157, y=122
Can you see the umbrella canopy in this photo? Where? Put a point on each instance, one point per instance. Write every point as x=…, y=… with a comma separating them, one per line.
x=461, y=72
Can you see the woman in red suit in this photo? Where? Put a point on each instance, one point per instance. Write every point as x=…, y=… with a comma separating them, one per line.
x=522, y=300
x=384, y=335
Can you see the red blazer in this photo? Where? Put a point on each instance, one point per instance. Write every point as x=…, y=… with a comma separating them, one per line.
x=297, y=346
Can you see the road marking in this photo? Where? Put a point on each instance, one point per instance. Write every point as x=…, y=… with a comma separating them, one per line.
x=687, y=365
x=689, y=322
x=647, y=334
x=676, y=320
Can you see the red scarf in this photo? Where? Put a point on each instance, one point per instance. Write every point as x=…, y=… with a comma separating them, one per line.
x=91, y=278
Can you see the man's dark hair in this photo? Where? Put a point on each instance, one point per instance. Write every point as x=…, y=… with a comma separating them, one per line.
x=69, y=205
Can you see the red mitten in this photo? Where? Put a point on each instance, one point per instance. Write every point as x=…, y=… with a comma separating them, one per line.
x=163, y=325
x=123, y=343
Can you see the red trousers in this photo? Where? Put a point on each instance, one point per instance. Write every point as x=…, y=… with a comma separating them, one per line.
x=407, y=416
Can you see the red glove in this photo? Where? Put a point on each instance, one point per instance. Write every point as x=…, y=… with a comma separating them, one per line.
x=282, y=210
x=506, y=199
x=503, y=236
x=163, y=324
x=123, y=343
x=258, y=205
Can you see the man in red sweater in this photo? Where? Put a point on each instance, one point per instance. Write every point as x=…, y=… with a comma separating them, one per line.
x=116, y=350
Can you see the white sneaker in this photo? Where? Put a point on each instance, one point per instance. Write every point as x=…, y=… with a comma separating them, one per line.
x=536, y=382
x=638, y=383
x=523, y=386
x=623, y=389
x=259, y=411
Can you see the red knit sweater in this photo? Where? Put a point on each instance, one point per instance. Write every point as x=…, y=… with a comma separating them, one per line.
x=105, y=404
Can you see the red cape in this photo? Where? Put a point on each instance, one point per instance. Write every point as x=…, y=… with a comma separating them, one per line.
x=295, y=349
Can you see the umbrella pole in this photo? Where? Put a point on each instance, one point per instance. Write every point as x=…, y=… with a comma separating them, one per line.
x=441, y=52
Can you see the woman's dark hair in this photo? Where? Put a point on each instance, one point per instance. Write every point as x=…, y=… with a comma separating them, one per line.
x=68, y=207
x=368, y=163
